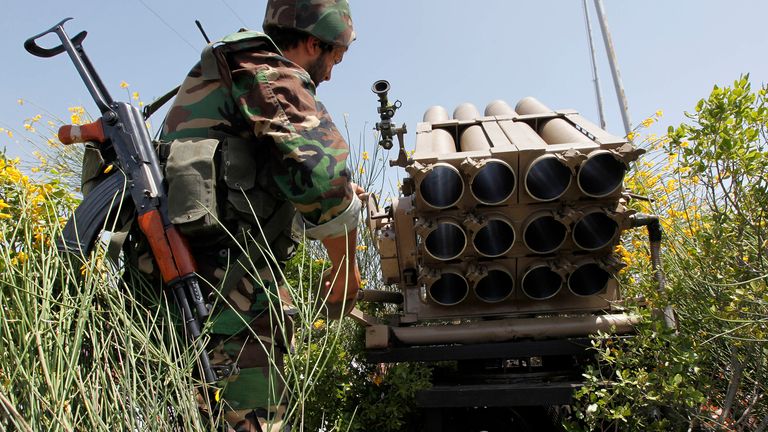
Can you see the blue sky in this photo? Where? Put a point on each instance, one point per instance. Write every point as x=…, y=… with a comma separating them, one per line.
x=444, y=52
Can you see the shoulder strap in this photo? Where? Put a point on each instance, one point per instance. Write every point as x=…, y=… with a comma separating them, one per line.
x=159, y=102
x=242, y=39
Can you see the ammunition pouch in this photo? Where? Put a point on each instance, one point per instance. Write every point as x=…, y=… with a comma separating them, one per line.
x=251, y=199
x=219, y=188
x=191, y=175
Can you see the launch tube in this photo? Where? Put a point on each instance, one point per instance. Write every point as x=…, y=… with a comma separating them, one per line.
x=436, y=114
x=466, y=111
x=446, y=242
x=499, y=108
x=496, y=286
x=540, y=282
x=588, y=279
x=442, y=186
x=442, y=141
x=494, y=182
x=601, y=174
x=595, y=230
x=554, y=131
x=543, y=233
x=494, y=238
x=450, y=289
x=547, y=178
x=472, y=138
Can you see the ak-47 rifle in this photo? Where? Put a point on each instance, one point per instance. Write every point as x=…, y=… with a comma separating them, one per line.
x=121, y=131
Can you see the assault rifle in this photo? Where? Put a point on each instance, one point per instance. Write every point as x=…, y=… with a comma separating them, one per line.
x=123, y=139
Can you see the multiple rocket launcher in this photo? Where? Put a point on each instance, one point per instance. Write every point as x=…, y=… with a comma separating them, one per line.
x=513, y=212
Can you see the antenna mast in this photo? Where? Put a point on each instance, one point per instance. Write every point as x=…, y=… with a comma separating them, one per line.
x=614, y=67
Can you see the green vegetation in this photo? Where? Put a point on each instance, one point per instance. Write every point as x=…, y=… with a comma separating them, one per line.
x=708, y=181
x=80, y=350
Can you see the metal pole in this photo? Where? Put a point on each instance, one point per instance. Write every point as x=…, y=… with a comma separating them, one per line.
x=595, y=76
x=614, y=67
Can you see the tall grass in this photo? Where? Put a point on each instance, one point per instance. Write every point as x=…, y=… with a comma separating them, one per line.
x=88, y=345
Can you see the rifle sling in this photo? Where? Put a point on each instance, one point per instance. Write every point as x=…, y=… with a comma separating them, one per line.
x=157, y=103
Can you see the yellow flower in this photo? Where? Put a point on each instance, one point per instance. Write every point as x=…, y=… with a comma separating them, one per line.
x=377, y=379
x=362, y=170
x=5, y=216
x=631, y=136
x=365, y=155
x=659, y=113
x=647, y=122
x=10, y=134
x=319, y=324
x=20, y=101
x=3, y=204
x=135, y=95
x=29, y=127
x=123, y=84
x=362, y=248
x=20, y=258
x=626, y=258
x=684, y=144
x=39, y=237
x=363, y=283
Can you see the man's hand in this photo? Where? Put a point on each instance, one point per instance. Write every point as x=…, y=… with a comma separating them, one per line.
x=342, y=281
x=359, y=191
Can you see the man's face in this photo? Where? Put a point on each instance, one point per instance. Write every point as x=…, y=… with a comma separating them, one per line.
x=321, y=67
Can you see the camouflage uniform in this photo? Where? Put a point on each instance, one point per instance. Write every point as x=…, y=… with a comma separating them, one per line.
x=272, y=148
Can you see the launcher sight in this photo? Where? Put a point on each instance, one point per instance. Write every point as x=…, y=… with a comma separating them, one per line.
x=386, y=127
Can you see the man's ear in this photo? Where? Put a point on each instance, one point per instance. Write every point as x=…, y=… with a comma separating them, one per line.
x=312, y=46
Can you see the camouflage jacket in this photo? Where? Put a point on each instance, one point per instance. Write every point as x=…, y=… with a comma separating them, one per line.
x=270, y=101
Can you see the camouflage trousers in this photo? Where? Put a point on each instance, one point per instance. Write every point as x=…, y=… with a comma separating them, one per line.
x=250, y=335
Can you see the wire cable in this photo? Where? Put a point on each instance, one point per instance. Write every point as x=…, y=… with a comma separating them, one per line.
x=242, y=21
x=195, y=49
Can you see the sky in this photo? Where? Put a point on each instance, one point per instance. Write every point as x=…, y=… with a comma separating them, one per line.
x=433, y=52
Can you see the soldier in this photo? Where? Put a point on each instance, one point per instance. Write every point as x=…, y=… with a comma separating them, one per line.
x=250, y=145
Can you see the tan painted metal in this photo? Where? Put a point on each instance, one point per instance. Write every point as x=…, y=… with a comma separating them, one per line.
x=491, y=181
x=443, y=239
x=439, y=141
x=554, y=131
x=491, y=283
x=438, y=185
x=446, y=286
x=499, y=108
x=472, y=138
x=596, y=228
x=502, y=330
x=436, y=114
x=591, y=275
x=544, y=232
x=466, y=111
x=446, y=163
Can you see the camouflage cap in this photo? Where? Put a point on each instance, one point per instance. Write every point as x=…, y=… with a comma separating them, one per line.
x=328, y=20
